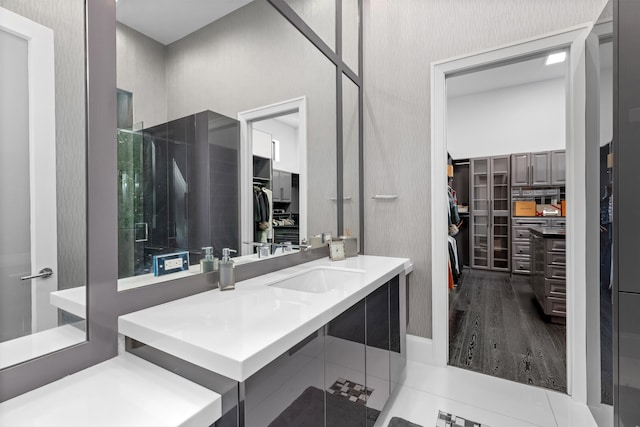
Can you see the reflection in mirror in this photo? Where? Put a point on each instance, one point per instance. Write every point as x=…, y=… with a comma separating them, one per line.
x=320, y=15
x=606, y=219
x=600, y=220
x=42, y=170
x=351, y=150
x=351, y=33
x=240, y=60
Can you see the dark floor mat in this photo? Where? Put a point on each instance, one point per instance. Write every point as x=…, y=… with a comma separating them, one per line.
x=308, y=411
x=449, y=420
x=401, y=422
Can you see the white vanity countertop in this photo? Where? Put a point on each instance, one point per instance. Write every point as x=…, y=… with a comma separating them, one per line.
x=123, y=391
x=74, y=300
x=38, y=344
x=236, y=333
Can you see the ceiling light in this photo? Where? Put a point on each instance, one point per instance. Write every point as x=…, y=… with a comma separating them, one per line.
x=556, y=58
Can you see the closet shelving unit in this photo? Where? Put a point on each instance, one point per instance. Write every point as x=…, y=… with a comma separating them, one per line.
x=490, y=208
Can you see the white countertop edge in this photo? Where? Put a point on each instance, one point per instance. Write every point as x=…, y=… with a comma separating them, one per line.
x=123, y=391
x=408, y=267
x=38, y=344
x=73, y=300
x=240, y=370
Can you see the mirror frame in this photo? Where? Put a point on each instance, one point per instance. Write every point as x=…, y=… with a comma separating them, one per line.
x=101, y=343
x=104, y=302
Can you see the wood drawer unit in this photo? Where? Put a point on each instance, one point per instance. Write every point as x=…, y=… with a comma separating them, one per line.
x=521, y=265
x=555, y=272
x=521, y=233
x=555, y=288
x=556, y=307
x=557, y=259
x=548, y=273
x=521, y=249
x=556, y=245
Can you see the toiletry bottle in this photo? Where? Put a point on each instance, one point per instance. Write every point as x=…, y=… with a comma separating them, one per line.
x=227, y=278
x=208, y=263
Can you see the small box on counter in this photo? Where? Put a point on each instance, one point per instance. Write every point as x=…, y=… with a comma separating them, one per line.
x=350, y=246
x=524, y=208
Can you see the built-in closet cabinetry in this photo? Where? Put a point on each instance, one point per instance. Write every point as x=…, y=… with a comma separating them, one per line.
x=558, y=167
x=520, y=243
x=531, y=169
x=538, y=169
x=282, y=186
x=490, y=212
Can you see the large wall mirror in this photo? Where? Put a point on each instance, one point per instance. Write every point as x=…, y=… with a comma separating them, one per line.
x=221, y=108
x=42, y=175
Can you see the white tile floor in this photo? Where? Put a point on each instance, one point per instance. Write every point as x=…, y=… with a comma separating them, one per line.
x=481, y=398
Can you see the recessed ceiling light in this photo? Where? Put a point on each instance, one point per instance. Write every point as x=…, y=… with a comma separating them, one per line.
x=556, y=58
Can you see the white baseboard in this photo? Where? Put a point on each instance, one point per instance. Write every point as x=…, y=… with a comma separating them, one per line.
x=420, y=349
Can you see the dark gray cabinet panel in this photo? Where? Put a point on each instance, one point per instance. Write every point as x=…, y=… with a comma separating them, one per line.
x=346, y=335
x=541, y=168
x=628, y=386
x=290, y=390
x=558, y=167
x=282, y=186
x=377, y=350
x=354, y=356
x=520, y=169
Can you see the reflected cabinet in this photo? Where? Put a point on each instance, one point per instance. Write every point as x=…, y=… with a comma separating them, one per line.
x=490, y=213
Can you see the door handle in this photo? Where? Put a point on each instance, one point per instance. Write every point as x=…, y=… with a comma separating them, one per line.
x=42, y=274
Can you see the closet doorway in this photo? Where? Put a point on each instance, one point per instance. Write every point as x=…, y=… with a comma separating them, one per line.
x=506, y=139
x=507, y=120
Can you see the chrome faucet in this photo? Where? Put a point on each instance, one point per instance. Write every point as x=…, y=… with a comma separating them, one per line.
x=263, y=248
x=288, y=246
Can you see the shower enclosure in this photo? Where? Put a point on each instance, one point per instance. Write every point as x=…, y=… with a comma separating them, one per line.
x=178, y=189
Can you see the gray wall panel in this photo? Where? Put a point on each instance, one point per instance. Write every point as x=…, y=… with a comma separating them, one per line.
x=66, y=19
x=142, y=71
x=401, y=40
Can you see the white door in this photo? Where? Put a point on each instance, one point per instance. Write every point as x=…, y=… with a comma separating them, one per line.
x=27, y=176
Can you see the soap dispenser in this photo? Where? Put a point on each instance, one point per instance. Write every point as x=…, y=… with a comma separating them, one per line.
x=227, y=278
x=208, y=263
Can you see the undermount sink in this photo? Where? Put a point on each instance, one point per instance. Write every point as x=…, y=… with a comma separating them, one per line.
x=318, y=280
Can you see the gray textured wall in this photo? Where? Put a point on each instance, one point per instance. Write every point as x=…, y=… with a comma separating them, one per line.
x=141, y=70
x=401, y=40
x=67, y=19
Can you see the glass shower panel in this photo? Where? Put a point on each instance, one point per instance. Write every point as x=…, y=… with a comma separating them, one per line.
x=132, y=230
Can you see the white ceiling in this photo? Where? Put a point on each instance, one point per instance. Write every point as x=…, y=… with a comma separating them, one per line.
x=169, y=20
x=503, y=76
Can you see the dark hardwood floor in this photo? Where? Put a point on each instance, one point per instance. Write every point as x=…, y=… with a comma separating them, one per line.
x=497, y=328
